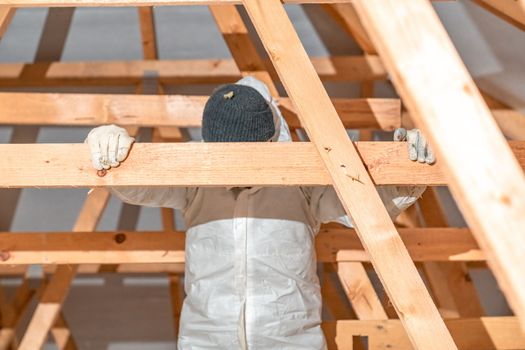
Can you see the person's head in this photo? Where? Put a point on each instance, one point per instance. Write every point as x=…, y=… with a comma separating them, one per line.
x=237, y=113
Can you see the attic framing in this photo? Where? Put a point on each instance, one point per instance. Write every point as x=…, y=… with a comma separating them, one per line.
x=425, y=316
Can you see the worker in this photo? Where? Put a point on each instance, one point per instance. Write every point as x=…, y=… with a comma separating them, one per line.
x=250, y=275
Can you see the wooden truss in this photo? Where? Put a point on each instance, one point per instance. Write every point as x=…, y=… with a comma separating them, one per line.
x=404, y=39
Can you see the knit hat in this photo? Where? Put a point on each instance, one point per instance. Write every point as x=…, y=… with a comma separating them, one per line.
x=237, y=113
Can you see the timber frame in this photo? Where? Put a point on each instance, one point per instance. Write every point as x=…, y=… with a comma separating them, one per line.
x=444, y=313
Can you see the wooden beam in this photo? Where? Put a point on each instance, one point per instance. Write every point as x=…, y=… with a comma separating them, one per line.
x=117, y=3
x=360, y=291
x=336, y=68
x=236, y=36
x=335, y=301
x=510, y=121
x=147, y=32
x=91, y=269
x=205, y=164
x=346, y=15
x=126, y=247
x=470, y=334
x=353, y=275
x=164, y=110
x=6, y=15
x=127, y=3
x=62, y=334
x=50, y=304
x=511, y=11
x=12, y=314
x=451, y=283
x=484, y=175
x=350, y=178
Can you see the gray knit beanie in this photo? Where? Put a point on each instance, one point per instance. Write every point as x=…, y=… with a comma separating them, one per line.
x=237, y=113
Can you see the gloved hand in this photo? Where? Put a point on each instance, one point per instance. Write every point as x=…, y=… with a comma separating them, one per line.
x=418, y=147
x=109, y=145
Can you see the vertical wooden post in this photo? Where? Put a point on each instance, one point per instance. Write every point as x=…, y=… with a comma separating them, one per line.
x=351, y=180
x=484, y=176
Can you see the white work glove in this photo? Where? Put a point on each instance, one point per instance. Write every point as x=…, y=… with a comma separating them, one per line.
x=418, y=147
x=109, y=145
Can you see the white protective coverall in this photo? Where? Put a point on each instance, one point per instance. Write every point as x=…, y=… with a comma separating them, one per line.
x=250, y=277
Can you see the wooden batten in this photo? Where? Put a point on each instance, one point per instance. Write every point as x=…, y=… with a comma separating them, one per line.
x=163, y=110
x=351, y=181
x=332, y=245
x=400, y=40
x=205, y=164
x=204, y=71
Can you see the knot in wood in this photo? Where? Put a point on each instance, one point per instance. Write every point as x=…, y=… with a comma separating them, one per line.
x=120, y=238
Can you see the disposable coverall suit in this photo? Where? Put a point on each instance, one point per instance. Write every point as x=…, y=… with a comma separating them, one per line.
x=250, y=275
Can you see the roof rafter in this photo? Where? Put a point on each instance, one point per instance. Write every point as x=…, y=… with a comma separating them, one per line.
x=350, y=178
x=484, y=175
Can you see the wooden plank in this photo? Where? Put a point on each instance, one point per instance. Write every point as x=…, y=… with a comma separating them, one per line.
x=147, y=31
x=62, y=334
x=167, y=110
x=352, y=275
x=13, y=313
x=332, y=245
x=511, y=11
x=487, y=333
x=346, y=15
x=50, y=304
x=204, y=164
x=335, y=301
x=350, y=178
x=360, y=291
x=485, y=177
x=510, y=121
x=91, y=269
x=115, y=3
x=103, y=73
x=6, y=15
x=451, y=283
x=236, y=36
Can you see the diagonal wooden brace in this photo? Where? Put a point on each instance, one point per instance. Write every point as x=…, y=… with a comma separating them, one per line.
x=354, y=186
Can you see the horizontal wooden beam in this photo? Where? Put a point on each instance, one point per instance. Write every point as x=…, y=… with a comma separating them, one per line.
x=468, y=334
x=205, y=164
x=215, y=71
x=332, y=245
x=119, y=3
x=91, y=269
x=166, y=110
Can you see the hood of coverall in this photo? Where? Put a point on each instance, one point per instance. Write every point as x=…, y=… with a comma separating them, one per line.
x=282, y=132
